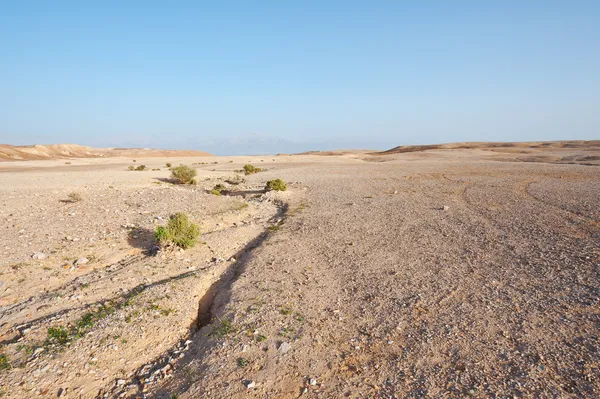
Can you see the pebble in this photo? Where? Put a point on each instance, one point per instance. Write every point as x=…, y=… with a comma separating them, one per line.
x=249, y=384
x=312, y=381
x=39, y=255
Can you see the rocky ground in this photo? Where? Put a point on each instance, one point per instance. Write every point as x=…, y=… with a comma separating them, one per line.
x=403, y=276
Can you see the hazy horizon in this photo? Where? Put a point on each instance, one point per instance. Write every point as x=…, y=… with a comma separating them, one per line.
x=266, y=78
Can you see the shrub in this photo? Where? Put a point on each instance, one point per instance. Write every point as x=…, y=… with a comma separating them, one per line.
x=250, y=169
x=131, y=167
x=218, y=189
x=168, y=164
x=141, y=167
x=183, y=174
x=276, y=185
x=179, y=231
x=74, y=197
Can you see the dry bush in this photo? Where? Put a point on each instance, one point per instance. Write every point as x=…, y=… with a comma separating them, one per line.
x=179, y=232
x=183, y=174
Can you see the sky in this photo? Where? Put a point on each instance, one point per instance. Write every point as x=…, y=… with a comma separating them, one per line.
x=260, y=77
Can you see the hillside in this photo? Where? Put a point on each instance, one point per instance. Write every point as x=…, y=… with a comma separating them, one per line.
x=62, y=151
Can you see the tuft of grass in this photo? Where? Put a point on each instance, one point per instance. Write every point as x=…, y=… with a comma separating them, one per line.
x=286, y=310
x=74, y=197
x=241, y=362
x=141, y=168
x=276, y=185
x=183, y=174
x=168, y=164
x=223, y=328
x=260, y=338
x=179, y=231
x=215, y=192
x=251, y=169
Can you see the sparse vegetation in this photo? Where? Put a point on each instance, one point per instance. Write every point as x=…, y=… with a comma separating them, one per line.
x=74, y=197
x=241, y=362
x=223, y=328
x=139, y=168
x=251, y=169
x=218, y=189
x=183, y=174
x=179, y=232
x=4, y=362
x=168, y=164
x=276, y=185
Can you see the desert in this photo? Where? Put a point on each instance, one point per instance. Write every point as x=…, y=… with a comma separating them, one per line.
x=464, y=270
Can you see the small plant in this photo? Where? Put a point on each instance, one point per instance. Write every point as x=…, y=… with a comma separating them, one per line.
x=218, y=189
x=58, y=335
x=74, y=197
x=251, y=169
x=131, y=167
x=276, y=185
x=168, y=164
x=241, y=362
x=223, y=328
x=179, y=231
x=4, y=362
x=183, y=174
x=67, y=163
x=141, y=168
x=260, y=338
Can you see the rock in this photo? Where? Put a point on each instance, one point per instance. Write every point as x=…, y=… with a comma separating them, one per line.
x=312, y=381
x=284, y=347
x=39, y=255
x=445, y=208
x=120, y=382
x=37, y=351
x=81, y=261
x=249, y=384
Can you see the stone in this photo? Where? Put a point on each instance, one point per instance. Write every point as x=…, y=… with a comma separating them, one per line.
x=445, y=208
x=312, y=382
x=39, y=255
x=284, y=347
x=249, y=384
x=81, y=261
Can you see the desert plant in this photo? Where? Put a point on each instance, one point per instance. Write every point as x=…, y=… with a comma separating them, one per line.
x=183, y=174
x=218, y=189
x=276, y=185
x=179, y=231
x=141, y=167
x=251, y=169
x=74, y=197
x=131, y=167
x=168, y=164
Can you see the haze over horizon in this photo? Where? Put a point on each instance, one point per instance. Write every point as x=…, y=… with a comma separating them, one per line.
x=236, y=78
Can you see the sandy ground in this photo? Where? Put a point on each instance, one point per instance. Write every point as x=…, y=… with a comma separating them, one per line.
x=443, y=274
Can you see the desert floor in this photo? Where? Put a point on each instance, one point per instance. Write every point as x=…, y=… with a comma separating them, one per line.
x=443, y=274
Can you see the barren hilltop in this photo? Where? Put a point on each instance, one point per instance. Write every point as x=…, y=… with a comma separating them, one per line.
x=471, y=271
x=65, y=151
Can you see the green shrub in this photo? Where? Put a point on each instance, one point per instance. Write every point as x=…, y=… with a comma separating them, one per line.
x=183, y=174
x=215, y=192
x=250, y=169
x=131, y=167
x=276, y=185
x=179, y=231
x=141, y=167
x=168, y=164
x=58, y=335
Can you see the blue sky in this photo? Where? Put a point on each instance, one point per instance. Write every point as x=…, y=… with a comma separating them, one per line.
x=277, y=76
